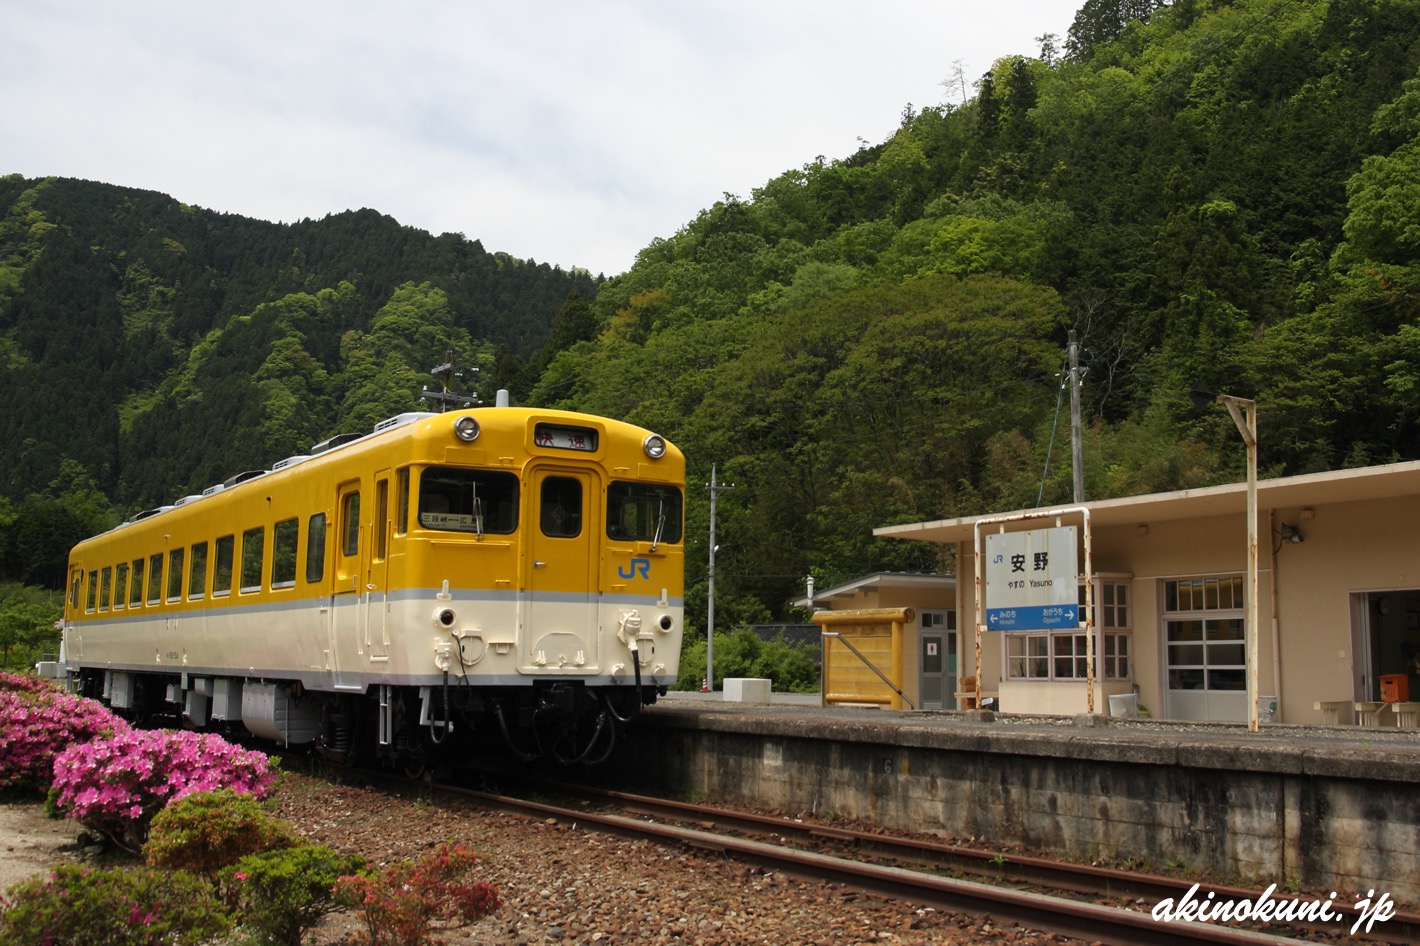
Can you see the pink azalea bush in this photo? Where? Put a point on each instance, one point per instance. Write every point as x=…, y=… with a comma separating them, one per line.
x=38, y=720
x=116, y=785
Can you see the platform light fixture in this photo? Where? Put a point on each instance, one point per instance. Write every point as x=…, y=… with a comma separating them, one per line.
x=1244, y=414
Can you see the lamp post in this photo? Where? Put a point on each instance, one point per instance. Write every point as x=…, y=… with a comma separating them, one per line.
x=1244, y=414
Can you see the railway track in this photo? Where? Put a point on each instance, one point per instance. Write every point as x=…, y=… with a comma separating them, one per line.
x=710, y=829
x=993, y=866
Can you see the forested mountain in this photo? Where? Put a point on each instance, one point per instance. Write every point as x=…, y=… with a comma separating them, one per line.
x=151, y=348
x=1219, y=191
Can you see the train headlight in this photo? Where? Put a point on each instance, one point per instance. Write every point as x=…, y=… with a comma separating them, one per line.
x=466, y=429
x=655, y=446
x=445, y=618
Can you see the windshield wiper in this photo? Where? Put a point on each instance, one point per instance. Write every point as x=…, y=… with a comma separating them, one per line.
x=660, y=524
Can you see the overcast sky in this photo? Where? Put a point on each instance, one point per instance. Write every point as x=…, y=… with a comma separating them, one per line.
x=572, y=133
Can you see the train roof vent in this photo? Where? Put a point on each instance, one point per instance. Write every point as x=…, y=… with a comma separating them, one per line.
x=214, y=490
x=339, y=440
x=139, y=516
x=289, y=461
x=188, y=499
x=399, y=420
x=231, y=481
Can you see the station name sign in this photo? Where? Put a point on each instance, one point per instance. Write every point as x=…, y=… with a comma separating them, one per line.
x=1032, y=580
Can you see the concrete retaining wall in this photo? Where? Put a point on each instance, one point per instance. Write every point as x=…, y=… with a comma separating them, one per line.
x=1317, y=813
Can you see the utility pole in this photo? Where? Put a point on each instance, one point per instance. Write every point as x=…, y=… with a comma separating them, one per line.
x=710, y=620
x=1077, y=447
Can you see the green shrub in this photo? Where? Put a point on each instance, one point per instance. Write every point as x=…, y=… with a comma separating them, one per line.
x=404, y=903
x=207, y=831
x=116, y=907
x=791, y=667
x=278, y=895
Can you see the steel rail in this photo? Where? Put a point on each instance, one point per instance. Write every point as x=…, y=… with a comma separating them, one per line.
x=1403, y=927
x=1081, y=919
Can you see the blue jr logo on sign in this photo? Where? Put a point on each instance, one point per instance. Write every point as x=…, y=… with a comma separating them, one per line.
x=642, y=565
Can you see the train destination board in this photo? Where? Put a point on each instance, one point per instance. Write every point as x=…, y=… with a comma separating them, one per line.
x=1032, y=580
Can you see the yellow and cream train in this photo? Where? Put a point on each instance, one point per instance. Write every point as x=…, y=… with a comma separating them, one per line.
x=486, y=577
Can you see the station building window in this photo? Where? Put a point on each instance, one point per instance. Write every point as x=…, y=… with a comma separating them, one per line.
x=1203, y=626
x=1062, y=655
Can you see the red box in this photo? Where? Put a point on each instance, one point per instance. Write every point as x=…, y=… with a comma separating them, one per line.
x=1395, y=688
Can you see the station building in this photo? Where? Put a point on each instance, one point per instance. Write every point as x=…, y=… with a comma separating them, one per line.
x=1338, y=615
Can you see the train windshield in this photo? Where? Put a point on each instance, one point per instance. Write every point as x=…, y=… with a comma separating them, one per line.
x=460, y=500
x=643, y=512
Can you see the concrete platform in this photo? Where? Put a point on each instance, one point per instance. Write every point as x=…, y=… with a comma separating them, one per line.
x=1320, y=807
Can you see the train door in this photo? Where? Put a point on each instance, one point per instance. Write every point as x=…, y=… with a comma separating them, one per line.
x=377, y=573
x=346, y=614
x=559, y=630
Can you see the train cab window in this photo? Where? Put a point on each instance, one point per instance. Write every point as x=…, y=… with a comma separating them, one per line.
x=401, y=502
x=286, y=539
x=105, y=588
x=74, y=585
x=643, y=512
x=350, y=532
x=253, y=548
x=135, y=585
x=120, y=585
x=315, y=548
x=222, y=570
x=197, y=574
x=477, y=501
x=155, y=579
x=93, y=598
x=561, y=516
x=175, y=573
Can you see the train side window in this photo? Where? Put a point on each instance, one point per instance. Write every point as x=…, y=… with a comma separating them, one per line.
x=105, y=588
x=478, y=501
x=315, y=548
x=175, y=573
x=155, y=579
x=93, y=598
x=135, y=585
x=222, y=572
x=350, y=525
x=120, y=585
x=401, y=521
x=197, y=574
x=253, y=548
x=74, y=587
x=561, y=507
x=285, y=540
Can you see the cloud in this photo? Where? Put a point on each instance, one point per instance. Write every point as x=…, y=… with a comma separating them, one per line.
x=568, y=132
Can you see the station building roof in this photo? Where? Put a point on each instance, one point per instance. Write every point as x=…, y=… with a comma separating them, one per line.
x=1393, y=480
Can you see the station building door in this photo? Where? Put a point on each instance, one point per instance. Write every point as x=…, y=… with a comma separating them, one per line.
x=938, y=658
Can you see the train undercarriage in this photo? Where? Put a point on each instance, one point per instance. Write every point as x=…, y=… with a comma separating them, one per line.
x=403, y=728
